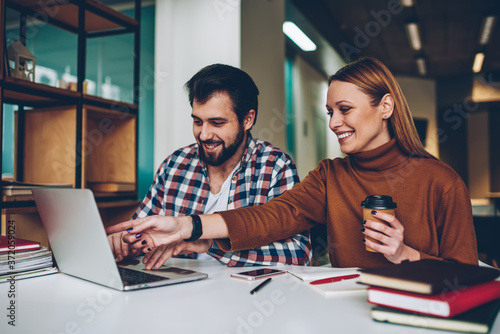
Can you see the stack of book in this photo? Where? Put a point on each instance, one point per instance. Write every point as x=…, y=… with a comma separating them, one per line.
x=435, y=294
x=21, y=258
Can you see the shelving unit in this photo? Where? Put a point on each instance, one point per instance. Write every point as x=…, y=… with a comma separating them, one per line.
x=65, y=136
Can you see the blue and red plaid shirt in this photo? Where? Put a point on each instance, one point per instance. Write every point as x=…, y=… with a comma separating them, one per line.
x=181, y=188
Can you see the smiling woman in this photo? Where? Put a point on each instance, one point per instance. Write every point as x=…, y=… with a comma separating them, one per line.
x=385, y=96
x=373, y=124
x=358, y=125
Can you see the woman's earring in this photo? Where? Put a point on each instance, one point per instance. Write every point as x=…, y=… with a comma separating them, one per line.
x=385, y=116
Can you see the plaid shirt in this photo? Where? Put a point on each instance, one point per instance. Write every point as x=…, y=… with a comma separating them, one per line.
x=181, y=188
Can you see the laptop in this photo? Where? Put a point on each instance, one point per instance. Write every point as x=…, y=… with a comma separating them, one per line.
x=80, y=246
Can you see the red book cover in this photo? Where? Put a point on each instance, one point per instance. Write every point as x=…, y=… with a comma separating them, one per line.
x=446, y=304
x=16, y=244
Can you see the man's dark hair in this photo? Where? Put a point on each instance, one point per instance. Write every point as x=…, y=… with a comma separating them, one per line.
x=220, y=78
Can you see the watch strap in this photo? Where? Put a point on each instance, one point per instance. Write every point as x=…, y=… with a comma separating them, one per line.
x=197, y=229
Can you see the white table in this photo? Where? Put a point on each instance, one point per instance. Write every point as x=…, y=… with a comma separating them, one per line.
x=60, y=303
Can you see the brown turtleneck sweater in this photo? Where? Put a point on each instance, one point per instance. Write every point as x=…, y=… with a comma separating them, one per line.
x=433, y=206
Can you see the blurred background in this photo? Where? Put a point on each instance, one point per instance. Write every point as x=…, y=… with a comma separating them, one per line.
x=444, y=53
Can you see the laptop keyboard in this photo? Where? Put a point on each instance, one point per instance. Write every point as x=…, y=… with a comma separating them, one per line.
x=132, y=277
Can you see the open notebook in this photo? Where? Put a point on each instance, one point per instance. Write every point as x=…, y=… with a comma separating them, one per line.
x=341, y=286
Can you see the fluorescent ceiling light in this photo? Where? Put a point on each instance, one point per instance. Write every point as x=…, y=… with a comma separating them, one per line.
x=298, y=37
x=407, y=3
x=413, y=35
x=421, y=66
x=487, y=28
x=478, y=62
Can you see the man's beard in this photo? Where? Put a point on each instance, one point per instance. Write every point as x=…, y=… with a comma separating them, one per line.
x=214, y=159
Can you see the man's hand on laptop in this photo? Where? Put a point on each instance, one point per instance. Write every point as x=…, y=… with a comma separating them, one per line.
x=158, y=256
x=119, y=248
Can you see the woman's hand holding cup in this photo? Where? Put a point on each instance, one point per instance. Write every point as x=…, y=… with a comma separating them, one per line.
x=383, y=232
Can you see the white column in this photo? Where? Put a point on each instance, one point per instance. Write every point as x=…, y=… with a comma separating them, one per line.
x=190, y=34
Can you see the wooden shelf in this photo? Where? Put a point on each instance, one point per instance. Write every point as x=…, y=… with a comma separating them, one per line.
x=115, y=197
x=66, y=136
x=20, y=91
x=26, y=203
x=17, y=199
x=118, y=204
x=98, y=17
x=30, y=209
x=96, y=101
x=27, y=93
x=53, y=128
x=109, y=146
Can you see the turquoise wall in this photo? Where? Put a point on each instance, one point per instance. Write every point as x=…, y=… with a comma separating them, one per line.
x=108, y=59
x=290, y=126
x=145, y=161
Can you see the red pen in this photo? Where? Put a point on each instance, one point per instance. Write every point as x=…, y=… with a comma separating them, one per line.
x=333, y=279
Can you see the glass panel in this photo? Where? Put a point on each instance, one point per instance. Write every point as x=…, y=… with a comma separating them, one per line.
x=8, y=140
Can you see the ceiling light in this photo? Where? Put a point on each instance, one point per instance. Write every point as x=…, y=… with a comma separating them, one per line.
x=478, y=62
x=407, y=3
x=298, y=37
x=488, y=23
x=413, y=35
x=421, y=66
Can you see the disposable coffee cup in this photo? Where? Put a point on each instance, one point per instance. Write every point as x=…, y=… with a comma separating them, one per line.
x=379, y=203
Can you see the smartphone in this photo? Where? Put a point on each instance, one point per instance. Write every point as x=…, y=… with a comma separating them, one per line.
x=259, y=273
